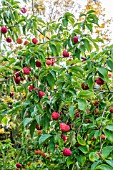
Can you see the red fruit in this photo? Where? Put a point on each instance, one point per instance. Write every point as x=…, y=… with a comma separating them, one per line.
x=75, y=39
x=110, y=75
x=88, y=121
x=23, y=10
x=26, y=42
x=38, y=63
x=64, y=127
x=96, y=111
x=96, y=103
x=99, y=81
x=26, y=70
x=67, y=152
x=18, y=165
x=11, y=94
x=39, y=132
x=103, y=136
x=30, y=88
x=55, y=115
x=36, y=152
x=84, y=86
x=35, y=41
x=99, y=154
x=17, y=80
x=41, y=94
x=111, y=110
x=19, y=40
x=35, y=88
x=4, y=30
x=93, y=138
x=64, y=137
x=17, y=73
x=49, y=97
x=8, y=39
x=65, y=53
x=77, y=114
x=49, y=62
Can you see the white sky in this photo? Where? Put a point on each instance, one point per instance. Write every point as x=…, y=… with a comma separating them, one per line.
x=108, y=5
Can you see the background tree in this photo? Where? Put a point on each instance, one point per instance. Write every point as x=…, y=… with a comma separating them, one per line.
x=56, y=93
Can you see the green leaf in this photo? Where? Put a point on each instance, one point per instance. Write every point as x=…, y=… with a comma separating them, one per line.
x=50, y=80
x=39, y=108
x=106, y=151
x=81, y=15
x=38, y=119
x=90, y=11
x=82, y=49
x=71, y=112
x=77, y=69
x=81, y=140
x=93, y=157
x=84, y=149
x=81, y=159
x=32, y=62
x=90, y=27
x=85, y=94
x=92, y=18
x=65, y=22
x=93, y=166
x=109, y=127
x=108, y=135
x=77, y=53
x=82, y=105
x=69, y=161
x=110, y=64
x=32, y=127
x=26, y=121
x=43, y=138
x=103, y=167
x=110, y=162
x=53, y=49
x=104, y=72
x=87, y=45
x=52, y=144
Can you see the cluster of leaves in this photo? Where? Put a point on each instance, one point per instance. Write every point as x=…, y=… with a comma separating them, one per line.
x=86, y=111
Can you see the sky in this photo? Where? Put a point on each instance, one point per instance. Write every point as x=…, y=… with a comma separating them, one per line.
x=108, y=5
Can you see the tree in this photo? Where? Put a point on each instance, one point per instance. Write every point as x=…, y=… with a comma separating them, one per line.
x=56, y=93
x=103, y=30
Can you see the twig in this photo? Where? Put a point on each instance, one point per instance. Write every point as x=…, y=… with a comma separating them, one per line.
x=33, y=7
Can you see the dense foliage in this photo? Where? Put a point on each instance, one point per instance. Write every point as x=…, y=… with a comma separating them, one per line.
x=55, y=92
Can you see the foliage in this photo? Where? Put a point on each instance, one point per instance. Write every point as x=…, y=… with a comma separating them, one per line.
x=78, y=86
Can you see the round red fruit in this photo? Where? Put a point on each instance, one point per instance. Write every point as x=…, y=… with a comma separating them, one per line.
x=4, y=30
x=26, y=42
x=49, y=62
x=18, y=165
x=26, y=70
x=111, y=110
x=55, y=115
x=11, y=94
x=75, y=39
x=17, y=80
x=85, y=86
x=23, y=10
x=34, y=41
x=41, y=94
x=67, y=152
x=99, y=81
x=38, y=63
x=8, y=39
x=64, y=127
x=19, y=41
x=65, y=53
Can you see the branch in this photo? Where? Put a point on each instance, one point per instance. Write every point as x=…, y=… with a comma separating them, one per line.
x=33, y=7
